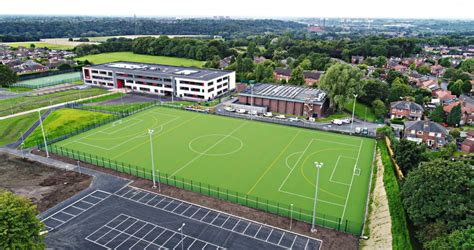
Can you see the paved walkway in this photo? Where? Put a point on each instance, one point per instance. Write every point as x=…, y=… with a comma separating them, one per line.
x=53, y=106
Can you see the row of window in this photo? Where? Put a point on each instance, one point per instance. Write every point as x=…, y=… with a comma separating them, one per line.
x=421, y=133
x=102, y=78
x=102, y=72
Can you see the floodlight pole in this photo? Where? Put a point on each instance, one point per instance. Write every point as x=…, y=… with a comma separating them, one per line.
x=150, y=132
x=181, y=229
x=44, y=136
x=318, y=165
x=22, y=145
x=79, y=167
x=353, y=111
x=291, y=215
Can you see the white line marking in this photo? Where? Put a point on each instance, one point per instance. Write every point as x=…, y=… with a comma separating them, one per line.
x=208, y=149
x=352, y=179
x=296, y=164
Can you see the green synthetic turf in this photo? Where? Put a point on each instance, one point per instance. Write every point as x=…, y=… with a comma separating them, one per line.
x=263, y=160
x=49, y=80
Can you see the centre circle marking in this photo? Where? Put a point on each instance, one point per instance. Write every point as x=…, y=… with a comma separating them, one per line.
x=241, y=144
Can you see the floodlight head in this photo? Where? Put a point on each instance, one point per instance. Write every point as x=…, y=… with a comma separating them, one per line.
x=150, y=131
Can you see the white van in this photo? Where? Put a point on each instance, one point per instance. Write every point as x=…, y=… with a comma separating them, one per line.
x=336, y=122
x=268, y=114
x=241, y=111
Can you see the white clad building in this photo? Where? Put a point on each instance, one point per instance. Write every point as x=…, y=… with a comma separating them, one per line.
x=165, y=80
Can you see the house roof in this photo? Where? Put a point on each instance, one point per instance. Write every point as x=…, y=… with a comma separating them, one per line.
x=406, y=105
x=425, y=126
x=282, y=71
x=313, y=74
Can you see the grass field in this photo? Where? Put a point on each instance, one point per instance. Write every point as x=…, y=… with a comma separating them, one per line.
x=62, y=120
x=47, y=81
x=362, y=111
x=257, y=159
x=12, y=128
x=41, y=45
x=129, y=56
x=23, y=103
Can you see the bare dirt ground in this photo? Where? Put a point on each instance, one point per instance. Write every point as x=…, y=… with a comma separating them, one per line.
x=380, y=222
x=45, y=186
x=332, y=239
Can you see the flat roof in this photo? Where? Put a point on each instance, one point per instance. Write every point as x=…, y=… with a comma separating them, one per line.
x=287, y=93
x=162, y=70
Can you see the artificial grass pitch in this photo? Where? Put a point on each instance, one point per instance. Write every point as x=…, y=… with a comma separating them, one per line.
x=269, y=161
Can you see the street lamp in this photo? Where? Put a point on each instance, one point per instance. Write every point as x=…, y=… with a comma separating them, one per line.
x=291, y=215
x=150, y=132
x=353, y=110
x=318, y=166
x=79, y=167
x=181, y=229
x=44, y=136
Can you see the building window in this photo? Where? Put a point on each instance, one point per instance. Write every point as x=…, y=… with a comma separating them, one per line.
x=419, y=132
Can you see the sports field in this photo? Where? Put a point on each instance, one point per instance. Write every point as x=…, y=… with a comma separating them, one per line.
x=130, y=56
x=47, y=81
x=257, y=159
x=41, y=45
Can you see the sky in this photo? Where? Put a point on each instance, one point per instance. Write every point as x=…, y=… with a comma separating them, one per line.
x=432, y=9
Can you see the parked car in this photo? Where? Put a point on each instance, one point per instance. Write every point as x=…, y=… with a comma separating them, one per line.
x=293, y=119
x=336, y=122
x=358, y=130
x=346, y=121
x=268, y=114
x=280, y=117
x=365, y=131
x=241, y=111
x=253, y=112
x=230, y=109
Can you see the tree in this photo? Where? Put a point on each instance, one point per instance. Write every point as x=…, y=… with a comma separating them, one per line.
x=393, y=74
x=466, y=87
x=456, y=87
x=448, y=150
x=341, y=81
x=252, y=50
x=64, y=66
x=399, y=89
x=408, y=154
x=454, y=117
x=297, y=76
x=373, y=90
x=19, y=229
x=468, y=65
x=437, y=115
x=455, y=133
x=424, y=69
x=444, y=62
x=305, y=64
x=7, y=76
x=381, y=61
x=440, y=191
x=458, y=239
x=379, y=108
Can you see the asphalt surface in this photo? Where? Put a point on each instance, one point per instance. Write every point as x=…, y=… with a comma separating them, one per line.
x=112, y=214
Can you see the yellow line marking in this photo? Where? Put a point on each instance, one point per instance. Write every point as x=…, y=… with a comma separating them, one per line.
x=273, y=163
x=140, y=144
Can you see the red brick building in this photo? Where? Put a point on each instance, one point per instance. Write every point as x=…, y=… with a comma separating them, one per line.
x=404, y=109
x=428, y=132
x=286, y=99
x=310, y=77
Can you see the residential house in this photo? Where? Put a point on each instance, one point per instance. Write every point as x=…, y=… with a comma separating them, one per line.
x=400, y=68
x=443, y=97
x=437, y=70
x=467, y=146
x=430, y=84
x=357, y=59
x=428, y=132
x=310, y=77
x=225, y=62
x=407, y=110
x=259, y=59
